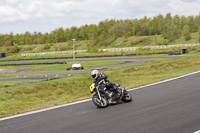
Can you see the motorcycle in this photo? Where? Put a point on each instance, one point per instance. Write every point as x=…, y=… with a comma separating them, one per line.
x=103, y=97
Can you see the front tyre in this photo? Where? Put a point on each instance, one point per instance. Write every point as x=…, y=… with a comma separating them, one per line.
x=127, y=96
x=99, y=103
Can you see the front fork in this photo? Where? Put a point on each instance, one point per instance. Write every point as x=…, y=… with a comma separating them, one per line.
x=123, y=88
x=98, y=93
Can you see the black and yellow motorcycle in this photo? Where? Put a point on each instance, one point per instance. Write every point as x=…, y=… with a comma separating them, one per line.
x=103, y=97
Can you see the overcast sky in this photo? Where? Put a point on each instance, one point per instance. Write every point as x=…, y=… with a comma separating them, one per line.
x=18, y=16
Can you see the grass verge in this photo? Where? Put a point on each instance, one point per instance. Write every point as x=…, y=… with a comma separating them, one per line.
x=84, y=64
x=54, y=67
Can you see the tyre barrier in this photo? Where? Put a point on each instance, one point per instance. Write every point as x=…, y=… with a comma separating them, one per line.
x=33, y=63
x=42, y=77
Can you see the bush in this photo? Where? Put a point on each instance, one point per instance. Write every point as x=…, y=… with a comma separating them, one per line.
x=47, y=46
x=163, y=42
x=15, y=49
x=5, y=49
x=176, y=50
x=92, y=50
x=198, y=49
x=61, y=47
x=143, y=49
x=139, y=41
x=192, y=48
x=29, y=48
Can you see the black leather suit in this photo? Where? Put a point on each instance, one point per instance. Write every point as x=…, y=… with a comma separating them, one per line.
x=102, y=80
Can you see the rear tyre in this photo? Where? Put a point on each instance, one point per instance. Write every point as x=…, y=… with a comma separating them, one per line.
x=127, y=96
x=99, y=103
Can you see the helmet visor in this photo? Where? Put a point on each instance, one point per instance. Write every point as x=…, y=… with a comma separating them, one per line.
x=94, y=76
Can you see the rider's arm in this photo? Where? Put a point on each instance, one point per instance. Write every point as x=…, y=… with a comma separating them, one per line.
x=102, y=76
x=95, y=82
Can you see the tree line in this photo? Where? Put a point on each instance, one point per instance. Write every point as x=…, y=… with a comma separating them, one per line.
x=170, y=27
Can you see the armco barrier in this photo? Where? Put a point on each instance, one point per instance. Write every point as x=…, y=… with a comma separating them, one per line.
x=114, y=49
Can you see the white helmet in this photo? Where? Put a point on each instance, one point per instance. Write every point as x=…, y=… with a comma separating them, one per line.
x=95, y=73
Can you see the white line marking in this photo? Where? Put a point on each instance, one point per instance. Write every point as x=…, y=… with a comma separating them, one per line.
x=64, y=105
x=197, y=131
x=42, y=110
x=167, y=80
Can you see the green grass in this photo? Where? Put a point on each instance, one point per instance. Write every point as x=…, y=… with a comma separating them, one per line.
x=21, y=66
x=20, y=97
x=54, y=67
x=181, y=40
x=85, y=64
x=40, y=74
x=43, y=67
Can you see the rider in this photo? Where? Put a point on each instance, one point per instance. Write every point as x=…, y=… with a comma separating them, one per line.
x=102, y=80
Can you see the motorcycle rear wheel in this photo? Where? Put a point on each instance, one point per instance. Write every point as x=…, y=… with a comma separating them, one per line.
x=99, y=103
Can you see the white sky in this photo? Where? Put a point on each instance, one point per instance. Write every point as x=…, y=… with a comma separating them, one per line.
x=18, y=16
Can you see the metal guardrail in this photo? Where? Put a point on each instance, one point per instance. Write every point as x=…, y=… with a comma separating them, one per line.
x=114, y=49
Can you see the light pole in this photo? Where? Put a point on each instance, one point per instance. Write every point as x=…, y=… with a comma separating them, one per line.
x=75, y=66
x=74, y=52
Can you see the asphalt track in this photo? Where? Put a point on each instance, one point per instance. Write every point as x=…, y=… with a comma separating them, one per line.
x=169, y=107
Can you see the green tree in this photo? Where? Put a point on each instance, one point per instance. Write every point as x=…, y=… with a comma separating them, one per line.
x=92, y=32
x=176, y=27
x=186, y=32
x=15, y=49
x=199, y=34
x=83, y=33
x=119, y=29
x=67, y=34
x=39, y=38
x=144, y=26
x=27, y=37
x=161, y=24
x=74, y=32
x=59, y=35
x=167, y=31
x=135, y=27
x=190, y=23
x=196, y=23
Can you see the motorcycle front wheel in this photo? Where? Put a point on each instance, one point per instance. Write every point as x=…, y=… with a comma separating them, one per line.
x=99, y=103
x=127, y=96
